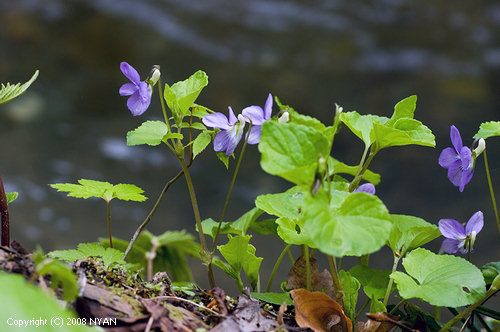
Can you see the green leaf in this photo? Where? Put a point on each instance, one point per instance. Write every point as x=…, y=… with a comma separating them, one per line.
x=182, y=95
x=240, y=226
x=60, y=275
x=11, y=91
x=374, y=281
x=359, y=226
x=274, y=298
x=404, y=109
x=12, y=196
x=291, y=232
x=350, y=285
x=26, y=302
x=291, y=151
x=490, y=271
x=70, y=255
x=241, y=255
x=341, y=168
x=441, y=280
x=86, y=188
x=296, y=117
x=200, y=111
x=149, y=132
x=109, y=256
x=171, y=256
x=410, y=232
x=105, y=190
x=361, y=125
x=286, y=204
x=377, y=306
x=403, y=132
x=128, y=192
x=222, y=157
x=201, y=142
x=488, y=129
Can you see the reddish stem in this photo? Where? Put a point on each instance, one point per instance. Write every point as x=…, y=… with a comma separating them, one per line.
x=4, y=214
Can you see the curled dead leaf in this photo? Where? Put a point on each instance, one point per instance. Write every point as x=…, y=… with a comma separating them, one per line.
x=319, y=281
x=319, y=312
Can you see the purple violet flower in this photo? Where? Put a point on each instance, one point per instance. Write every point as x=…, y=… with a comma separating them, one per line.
x=139, y=92
x=366, y=188
x=231, y=130
x=458, y=160
x=258, y=117
x=459, y=238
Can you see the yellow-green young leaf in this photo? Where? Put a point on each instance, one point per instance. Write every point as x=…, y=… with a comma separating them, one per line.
x=224, y=158
x=286, y=204
x=359, y=226
x=60, y=275
x=240, y=254
x=86, y=188
x=292, y=151
x=200, y=142
x=374, y=281
x=488, y=129
x=27, y=302
x=11, y=197
x=149, y=132
x=108, y=255
x=350, y=285
x=105, y=190
x=274, y=298
x=410, y=232
x=9, y=91
x=128, y=192
x=441, y=280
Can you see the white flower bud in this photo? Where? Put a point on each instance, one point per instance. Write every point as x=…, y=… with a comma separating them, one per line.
x=241, y=119
x=481, y=145
x=338, y=109
x=154, y=75
x=284, y=118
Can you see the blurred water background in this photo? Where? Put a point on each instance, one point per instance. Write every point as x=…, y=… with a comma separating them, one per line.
x=363, y=55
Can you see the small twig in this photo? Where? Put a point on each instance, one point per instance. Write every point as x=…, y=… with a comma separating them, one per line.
x=175, y=298
x=4, y=214
x=150, y=215
x=150, y=323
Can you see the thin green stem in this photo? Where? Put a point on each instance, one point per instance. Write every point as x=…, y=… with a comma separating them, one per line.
x=275, y=268
x=467, y=311
x=389, y=285
x=339, y=292
x=492, y=193
x=162, y=102
x=228, y=196
x=108, y=205
x=362, y=169
x=308, y=267
x=393, y=311
x=292, y=260
x=197, y=217
x=362, y=309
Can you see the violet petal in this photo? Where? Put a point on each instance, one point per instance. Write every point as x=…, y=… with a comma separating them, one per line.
x=216, y=120
x=130, y=73
x=268, y=107
x=254, y=113
x=451, y=229
x=447, y=157
x=450, y=246
x=456, y=140
x=254, y=137
x=475, y=223
x=127, y=89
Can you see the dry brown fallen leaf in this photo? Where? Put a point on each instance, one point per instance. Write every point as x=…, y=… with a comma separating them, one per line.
x=319, y=312
x=319, y=281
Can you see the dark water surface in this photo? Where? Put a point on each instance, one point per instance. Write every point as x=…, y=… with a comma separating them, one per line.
x=363, y=55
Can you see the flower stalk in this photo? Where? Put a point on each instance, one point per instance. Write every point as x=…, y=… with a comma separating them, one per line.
x=108, y=208
x=492, y=193
x=275, y=268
